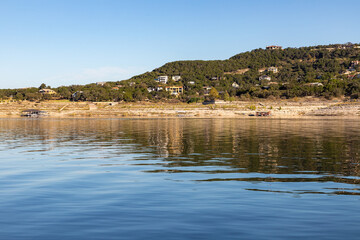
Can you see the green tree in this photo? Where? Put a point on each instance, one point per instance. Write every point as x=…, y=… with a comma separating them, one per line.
x=226, y=96
x=214, y=94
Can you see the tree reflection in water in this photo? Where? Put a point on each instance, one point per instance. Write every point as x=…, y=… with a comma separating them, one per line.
x=210, y=149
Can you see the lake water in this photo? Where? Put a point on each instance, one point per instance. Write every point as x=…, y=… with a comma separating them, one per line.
x=179, y=179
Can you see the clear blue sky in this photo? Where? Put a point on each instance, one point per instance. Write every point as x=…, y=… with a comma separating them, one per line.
x=64, y=42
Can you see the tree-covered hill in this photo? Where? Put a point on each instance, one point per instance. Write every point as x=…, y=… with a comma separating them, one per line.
x=328, y=71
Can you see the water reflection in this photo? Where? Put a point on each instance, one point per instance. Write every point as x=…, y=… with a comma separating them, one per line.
x=204, y=150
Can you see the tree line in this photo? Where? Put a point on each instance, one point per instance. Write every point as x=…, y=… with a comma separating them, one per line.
x=333, y=67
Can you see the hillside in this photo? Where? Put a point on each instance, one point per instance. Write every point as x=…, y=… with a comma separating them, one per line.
x=321, y=71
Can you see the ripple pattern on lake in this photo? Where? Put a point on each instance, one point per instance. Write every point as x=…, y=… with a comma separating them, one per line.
x=179, y=179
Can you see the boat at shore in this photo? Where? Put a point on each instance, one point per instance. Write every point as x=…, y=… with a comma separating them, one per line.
x=33, y=113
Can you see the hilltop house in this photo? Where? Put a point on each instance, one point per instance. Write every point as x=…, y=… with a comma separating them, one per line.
x=100, y=83
x=162, y=79
x=274, y=48
x=174, y=90
x=47, y=91
x=176, y=78
x=192, y=83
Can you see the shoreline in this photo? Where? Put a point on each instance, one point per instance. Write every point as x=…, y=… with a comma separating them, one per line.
x=283, y=109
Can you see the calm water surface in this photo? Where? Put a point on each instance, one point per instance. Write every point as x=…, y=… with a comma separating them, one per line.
x=179, y=179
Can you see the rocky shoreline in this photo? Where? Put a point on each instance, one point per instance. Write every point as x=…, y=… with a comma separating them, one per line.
x=298, y=108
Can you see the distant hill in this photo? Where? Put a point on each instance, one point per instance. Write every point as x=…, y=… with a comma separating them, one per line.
x=328, y=71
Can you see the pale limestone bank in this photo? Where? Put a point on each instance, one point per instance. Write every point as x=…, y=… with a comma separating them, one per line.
x=299, y=108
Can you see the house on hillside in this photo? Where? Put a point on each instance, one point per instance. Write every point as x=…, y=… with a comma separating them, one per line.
x=176, y=78
x=154, y=89
x=162, y=79
x=175, y=90
x=235, y=85
x=191, y=83
x=100, y=83
x=47, y=91
x=264, y=78
x=274, y=47
x=314, y=84
x=273, y=69
x=355, y=63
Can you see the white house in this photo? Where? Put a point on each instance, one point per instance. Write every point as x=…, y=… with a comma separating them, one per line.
x=176, y=78
x=265, y=77
x=235, y=85
x=273, y=69
x=162, y=79
x=315, y=84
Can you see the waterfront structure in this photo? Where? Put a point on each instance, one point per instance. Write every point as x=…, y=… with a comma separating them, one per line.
x=33, y=113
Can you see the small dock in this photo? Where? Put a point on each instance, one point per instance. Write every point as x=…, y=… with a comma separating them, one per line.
x=33, y=113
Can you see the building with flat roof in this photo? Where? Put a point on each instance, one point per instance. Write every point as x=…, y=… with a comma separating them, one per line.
x=162, y=79
x=175, y=90
x=274, y=47
x=273, y=69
